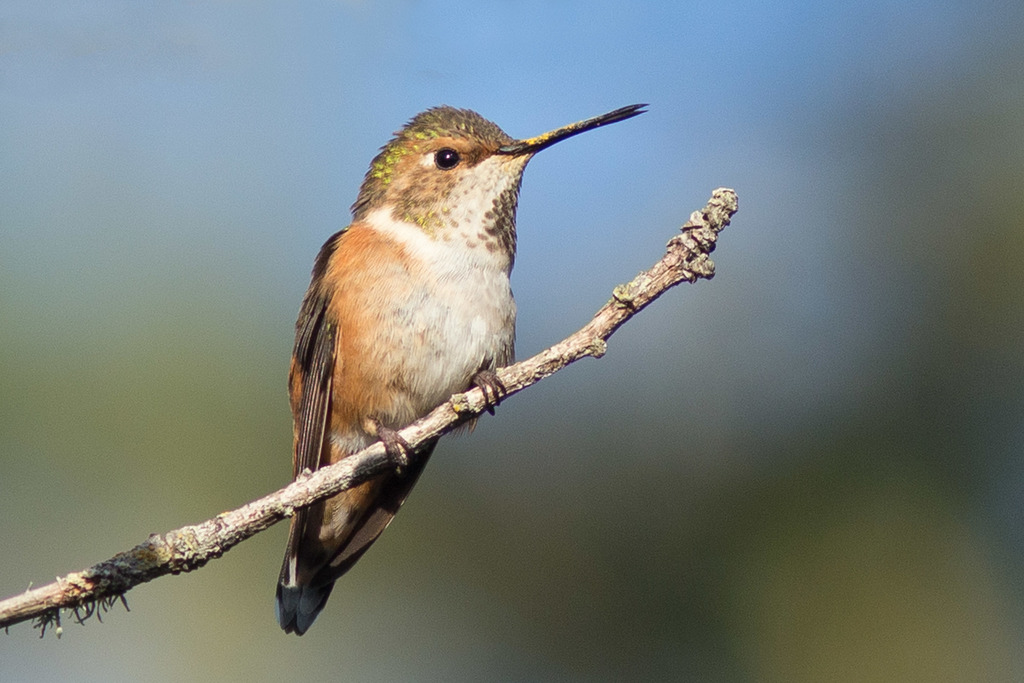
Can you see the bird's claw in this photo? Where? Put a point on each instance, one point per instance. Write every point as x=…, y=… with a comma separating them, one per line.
x=492, y=387
x=396, y=447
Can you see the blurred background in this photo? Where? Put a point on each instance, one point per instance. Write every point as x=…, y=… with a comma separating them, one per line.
x=807, y=469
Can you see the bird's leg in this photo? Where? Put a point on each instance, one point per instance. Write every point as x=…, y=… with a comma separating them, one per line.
x=492, y=386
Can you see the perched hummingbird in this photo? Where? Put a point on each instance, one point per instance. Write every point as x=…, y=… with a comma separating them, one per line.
x=408, y=305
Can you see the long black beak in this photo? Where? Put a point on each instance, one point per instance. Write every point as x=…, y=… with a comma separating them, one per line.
x=534, y=145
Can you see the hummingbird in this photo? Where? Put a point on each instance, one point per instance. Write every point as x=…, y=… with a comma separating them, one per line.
x=409, y=304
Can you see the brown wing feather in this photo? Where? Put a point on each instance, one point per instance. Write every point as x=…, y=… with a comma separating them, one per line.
x=313, y=373
x=310, y=381
x=312, y=368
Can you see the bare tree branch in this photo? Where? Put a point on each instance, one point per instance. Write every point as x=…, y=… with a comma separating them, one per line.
x=182, y=550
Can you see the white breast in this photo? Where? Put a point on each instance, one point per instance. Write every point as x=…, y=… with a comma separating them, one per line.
x=465, y=318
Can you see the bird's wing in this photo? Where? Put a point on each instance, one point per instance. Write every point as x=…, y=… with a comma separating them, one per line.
x=312, y=374
x=312, y=370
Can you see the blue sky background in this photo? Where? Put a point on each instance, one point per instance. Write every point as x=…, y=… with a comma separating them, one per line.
x=808, y=469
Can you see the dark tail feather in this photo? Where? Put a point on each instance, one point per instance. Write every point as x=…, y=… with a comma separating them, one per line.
x=298, y=606
x=299, y=600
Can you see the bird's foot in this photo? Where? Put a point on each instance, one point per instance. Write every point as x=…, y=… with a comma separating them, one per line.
x=395, y=446
x=492, y=386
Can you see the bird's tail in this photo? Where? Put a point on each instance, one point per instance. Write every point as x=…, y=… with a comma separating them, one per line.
x=298, y=601
x=298, y=606
x=313, y=560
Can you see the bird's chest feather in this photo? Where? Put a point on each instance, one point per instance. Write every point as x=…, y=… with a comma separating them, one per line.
x=442, y=311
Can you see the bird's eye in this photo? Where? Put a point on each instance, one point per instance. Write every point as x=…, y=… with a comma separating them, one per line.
x=446, y=159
